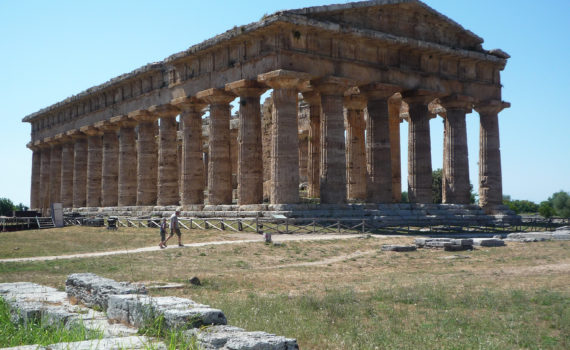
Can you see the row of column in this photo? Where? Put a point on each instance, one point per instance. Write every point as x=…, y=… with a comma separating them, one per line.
x=103, y=165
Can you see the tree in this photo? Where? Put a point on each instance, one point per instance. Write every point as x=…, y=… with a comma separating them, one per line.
x=405, y=198
x=436, y=183
x=560, y=202
x=6, y=207
x=520, y=206
x=545, y=209
x=21, y=207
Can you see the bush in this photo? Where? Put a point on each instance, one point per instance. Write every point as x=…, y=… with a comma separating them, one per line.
x=546, y=210
x=560, y=202
x=6, y=207
x=520, y=206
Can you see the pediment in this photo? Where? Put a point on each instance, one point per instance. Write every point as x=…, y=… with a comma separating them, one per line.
x=403, y=18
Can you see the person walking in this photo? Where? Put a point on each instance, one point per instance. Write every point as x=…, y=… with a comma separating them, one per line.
x=175, y=228
x=162, y=243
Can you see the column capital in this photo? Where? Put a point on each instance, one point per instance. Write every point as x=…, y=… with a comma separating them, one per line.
x=164, y=111
x=332, y=85
x=75, y=134
x=142, y=115
x=123, y=121
x=215, y=96
x=355, y=102
x=32, y=146
x=491, y=106
x=62, y=138
x=91, y=130
x=188, y=103
x=107, y=126
x=246, y=88
x=283, y=79
x=312, y=97
x=379, y=91
x=420, y=96
x=457, y=102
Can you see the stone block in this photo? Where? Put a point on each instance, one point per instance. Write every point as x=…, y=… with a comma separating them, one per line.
x=234, y=338
x=93, y=290
x=561, y=236
x=137, y=310
x=488, y=242
x=398, y=248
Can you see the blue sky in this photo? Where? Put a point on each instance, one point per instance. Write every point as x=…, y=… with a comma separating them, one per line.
x=50, y=50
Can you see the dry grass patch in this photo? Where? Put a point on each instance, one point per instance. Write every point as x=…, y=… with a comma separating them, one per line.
x=348, y=294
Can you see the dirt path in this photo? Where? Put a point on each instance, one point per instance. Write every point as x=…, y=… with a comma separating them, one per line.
x=248, y=238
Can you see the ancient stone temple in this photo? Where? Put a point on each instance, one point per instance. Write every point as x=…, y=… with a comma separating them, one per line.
x=357, y=70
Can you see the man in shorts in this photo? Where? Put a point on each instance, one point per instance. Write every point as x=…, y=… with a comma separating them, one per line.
x=175, y=228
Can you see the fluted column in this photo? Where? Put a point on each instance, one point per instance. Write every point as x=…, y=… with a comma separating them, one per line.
x=314, y=153
x=394, y=105
x=490, y=176
x=147, y=157
x=455, y=178
x=67, y=163
x=419, y=147
x=55, y=171
x=127, y=176
x=35, y=183
x=379, y=154
x=192, y=183
x=250, y=164
x=219, y=166
x=45, y=177
x=110, y=170
x=94, y=165
x=79, y=168
x=168, y=189
x=355, y=147
x=284, y=142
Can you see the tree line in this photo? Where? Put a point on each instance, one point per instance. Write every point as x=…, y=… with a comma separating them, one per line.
x=7, y=207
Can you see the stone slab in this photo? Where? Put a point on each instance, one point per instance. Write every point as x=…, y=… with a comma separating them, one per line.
x=93, y=290
x=234, y=338
x=488, y=242
x=398, y=248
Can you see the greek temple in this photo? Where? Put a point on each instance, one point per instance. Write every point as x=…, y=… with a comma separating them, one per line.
x=341, y=78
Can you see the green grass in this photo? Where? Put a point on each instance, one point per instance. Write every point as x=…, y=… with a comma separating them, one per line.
x=420, y=317
x=12, y=334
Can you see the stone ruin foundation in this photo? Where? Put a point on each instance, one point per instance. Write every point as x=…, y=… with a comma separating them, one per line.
x=118, y=309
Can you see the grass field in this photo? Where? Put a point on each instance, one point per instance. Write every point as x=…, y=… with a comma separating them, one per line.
x=339, y=294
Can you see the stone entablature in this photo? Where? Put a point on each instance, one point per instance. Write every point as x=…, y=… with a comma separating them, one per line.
x=399, y=59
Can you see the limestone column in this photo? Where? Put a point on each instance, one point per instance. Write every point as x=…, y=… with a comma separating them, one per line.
x=419, y=147
x=110, y=169
x=67, y=163
x=314, y=152
x=35, y=186
x=219, y=166
x=79, y=168
x=192, y=183
x=355, y=147
x=455, y=179
x=284, y=141
x=55, y=171
x=94, y=165
x=168, y=189
x=127, y=176
x=147, y=157
x=45, y=177
x=250, y=163
x=490, y=177
x=394, y=105
x=379, y=154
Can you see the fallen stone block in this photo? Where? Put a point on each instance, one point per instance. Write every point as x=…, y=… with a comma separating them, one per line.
x=488, y=242
x=456, y=247
x=94, y=291
x=453, y=257
x=138, y=310
x=521, y=236
x=561, y=236
x=398, y=248
x=119, y=343
x=234, y=338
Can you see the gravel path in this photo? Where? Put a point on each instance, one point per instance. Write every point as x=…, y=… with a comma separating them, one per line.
x=251, y=238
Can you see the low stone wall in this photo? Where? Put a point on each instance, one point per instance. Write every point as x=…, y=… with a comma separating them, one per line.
x=125, y=313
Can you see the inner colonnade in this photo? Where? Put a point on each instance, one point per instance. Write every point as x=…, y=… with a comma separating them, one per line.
x=116, y=145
